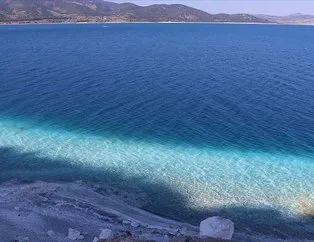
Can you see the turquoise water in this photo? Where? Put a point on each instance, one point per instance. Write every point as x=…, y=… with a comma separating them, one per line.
x=206, y=119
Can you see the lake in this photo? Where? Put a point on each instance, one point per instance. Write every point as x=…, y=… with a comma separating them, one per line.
x=206, y=119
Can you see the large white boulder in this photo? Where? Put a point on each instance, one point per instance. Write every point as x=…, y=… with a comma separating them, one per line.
x=217, y=227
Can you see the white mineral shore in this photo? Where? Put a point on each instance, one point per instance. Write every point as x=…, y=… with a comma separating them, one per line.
x=42, y=211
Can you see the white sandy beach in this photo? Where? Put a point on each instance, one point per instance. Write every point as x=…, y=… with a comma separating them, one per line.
x=43, y=211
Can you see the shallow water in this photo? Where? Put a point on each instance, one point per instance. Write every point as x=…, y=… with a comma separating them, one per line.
x=201, y=117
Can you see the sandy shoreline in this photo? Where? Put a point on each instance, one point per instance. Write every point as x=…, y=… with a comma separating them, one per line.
x=209, y=23
x=42, y=211
x=31, y=210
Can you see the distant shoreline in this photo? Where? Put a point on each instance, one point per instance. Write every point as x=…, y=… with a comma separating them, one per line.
x=162, y=22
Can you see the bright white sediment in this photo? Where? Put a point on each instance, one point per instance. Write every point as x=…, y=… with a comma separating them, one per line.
x=205, y=177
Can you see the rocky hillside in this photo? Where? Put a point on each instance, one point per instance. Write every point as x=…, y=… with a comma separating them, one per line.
x=65, y=212
x=296, y=18
x=99, y=10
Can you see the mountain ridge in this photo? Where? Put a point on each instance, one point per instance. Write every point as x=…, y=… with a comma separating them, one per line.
x=295, y=18
x=105, y=11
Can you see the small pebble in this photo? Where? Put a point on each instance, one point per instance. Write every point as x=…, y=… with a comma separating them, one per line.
x=134, y=224
x=126, y=222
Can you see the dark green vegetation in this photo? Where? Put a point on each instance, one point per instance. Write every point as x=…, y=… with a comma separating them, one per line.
x=98, y=10
x=3, y=17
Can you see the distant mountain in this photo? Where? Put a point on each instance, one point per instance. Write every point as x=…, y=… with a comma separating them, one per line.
x=296, y=18
x=99, y=10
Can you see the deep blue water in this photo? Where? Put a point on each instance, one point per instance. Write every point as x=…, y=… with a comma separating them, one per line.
x=227, y=110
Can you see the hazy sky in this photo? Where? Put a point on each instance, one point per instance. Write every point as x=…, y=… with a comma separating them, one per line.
x=275, y=7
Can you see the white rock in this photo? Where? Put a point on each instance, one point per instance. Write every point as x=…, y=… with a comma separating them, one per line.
x=74, y=234
x=217, y=227
x=95, y=239
x=106, y=234
x=173, y=231
x=50, y=233
x=134, y=224
x=17, y=208
x=126, y=222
